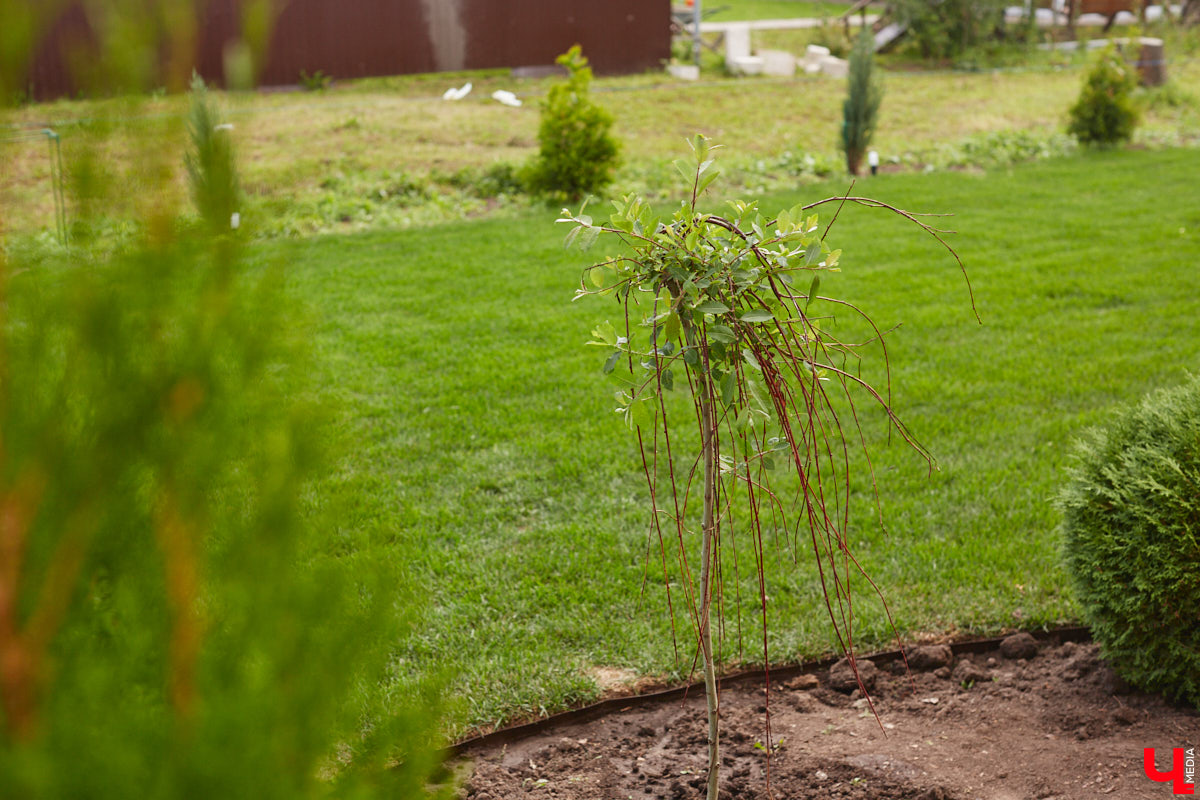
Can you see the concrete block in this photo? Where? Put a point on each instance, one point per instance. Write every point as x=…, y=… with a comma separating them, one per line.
x=746, y=65
x=835, y=67
x=813, y=54
x=778, y=63
x=737, y=43
x=684, y=72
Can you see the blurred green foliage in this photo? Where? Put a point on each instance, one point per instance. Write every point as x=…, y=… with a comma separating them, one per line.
x=165, y=630
x=949, y=28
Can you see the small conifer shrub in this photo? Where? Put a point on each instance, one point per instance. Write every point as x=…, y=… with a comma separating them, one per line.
x=577, y=150
x=860, y=111
x=211, y=169
x=1131, y=524
x=1105, y=113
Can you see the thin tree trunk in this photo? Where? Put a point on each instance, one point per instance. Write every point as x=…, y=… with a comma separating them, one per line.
x=706, y=575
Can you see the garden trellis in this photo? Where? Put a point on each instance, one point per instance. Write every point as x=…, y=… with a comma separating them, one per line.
x=54, y=143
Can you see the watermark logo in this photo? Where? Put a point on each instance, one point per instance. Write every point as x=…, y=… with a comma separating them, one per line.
x=1183, y=769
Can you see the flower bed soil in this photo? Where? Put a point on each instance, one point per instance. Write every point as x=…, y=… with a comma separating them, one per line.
x=1031, y=720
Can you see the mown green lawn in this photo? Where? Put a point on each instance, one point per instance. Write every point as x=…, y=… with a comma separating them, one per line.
x=479, y=447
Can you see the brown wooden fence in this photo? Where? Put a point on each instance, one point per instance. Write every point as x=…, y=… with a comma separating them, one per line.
x=360, y=38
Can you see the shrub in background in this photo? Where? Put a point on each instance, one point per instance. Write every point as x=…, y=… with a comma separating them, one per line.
x=1170, y=96
x=316, y=82
x=577, y=151
x=495, y=180
x=831, y=33
x=211, y=166
x=951, y=27
x=1131, y=524
x=1105, y=113
x=860, y=111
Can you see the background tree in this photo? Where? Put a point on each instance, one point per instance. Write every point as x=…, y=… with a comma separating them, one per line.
x=1105, y=113
x=577, y=152
x=860, y=110
x=210, y=162
x=951, y=27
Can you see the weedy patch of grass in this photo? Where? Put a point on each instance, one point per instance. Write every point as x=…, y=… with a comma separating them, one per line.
x=330, y=161
x=481, y=449
x=733, y=10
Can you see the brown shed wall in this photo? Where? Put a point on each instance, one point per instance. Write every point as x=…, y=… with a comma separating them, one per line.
x=361, y=38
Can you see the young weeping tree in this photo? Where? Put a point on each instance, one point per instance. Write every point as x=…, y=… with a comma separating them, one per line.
x=860, y=111
x=728, y=309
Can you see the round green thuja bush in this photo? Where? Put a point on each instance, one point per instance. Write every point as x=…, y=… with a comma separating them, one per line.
x=1105, y=113
x=577, y=152
x=1131, y=524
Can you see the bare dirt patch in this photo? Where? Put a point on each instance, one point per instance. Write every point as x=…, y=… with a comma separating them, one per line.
x=1035, y=720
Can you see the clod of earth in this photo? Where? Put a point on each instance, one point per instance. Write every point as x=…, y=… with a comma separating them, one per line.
x=842, y=675
x=1019, y=645
x=930, y=656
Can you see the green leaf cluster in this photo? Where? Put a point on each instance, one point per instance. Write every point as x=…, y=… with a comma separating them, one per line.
x=714, y=293
x=1131, y=530
x=316, y=82
x=1105, y=113
x=577, y=151
x=860, y=111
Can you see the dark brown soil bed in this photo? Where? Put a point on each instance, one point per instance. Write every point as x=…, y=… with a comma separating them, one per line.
x=1046, y=720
